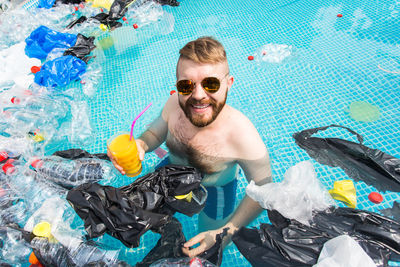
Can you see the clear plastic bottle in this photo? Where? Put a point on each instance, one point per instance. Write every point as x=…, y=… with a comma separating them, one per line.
x=71, y=173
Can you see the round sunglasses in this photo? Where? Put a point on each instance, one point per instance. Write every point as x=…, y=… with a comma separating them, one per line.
x=210, y=84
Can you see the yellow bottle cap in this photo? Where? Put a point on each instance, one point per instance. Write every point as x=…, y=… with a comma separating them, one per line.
x=103, y=27
x=187, y=197
x=42, y=229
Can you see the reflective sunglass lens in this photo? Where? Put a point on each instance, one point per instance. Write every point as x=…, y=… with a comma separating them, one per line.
x=211, y=84
x=185, y=86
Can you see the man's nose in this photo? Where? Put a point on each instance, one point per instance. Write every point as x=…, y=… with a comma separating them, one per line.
x=198, y=92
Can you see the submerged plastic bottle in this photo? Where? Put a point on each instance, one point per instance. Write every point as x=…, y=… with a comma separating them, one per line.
x=71, y=173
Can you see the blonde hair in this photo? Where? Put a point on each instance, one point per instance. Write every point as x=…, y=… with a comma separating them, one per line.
x=204, y=50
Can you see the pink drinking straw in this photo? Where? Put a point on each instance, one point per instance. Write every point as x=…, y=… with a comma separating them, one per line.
x=137, y=117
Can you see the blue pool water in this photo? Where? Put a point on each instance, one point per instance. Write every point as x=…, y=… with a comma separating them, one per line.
x=334, y=61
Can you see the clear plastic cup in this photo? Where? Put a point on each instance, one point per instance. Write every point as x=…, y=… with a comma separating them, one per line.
x=125, y=153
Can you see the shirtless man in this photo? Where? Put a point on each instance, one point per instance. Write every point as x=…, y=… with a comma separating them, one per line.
x=202, y=131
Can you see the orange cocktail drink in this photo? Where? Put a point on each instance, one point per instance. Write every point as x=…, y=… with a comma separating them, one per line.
x=125, y=153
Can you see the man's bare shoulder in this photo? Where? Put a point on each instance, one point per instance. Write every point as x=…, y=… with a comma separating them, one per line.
x=170, y=106
x=244, y=136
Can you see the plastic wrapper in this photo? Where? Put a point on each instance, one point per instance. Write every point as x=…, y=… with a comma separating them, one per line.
x=290, y=243
x=82, y=48
x=42, y=40
x=60, y=71
x=129, y=211
x=17, y=66
x=296, y=197
x=360, y=162
x=343, y=251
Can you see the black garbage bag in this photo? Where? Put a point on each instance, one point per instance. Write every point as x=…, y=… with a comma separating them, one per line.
x=168, y=2
x=290, y=243
x=82, y=48
x=394, y=211
x=76, y=153
x=169, y=248
x=79, y=20
x=128, y=212
x=360, y=162
x=117, y=11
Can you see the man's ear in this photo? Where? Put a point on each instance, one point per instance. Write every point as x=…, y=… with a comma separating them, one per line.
x=230, y=80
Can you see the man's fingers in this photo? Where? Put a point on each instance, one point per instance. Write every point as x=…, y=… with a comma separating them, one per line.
x=195, y=251
x=194, y=240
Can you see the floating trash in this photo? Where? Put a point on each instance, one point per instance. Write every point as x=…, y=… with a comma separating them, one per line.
x=364, y=111
x=273, y=53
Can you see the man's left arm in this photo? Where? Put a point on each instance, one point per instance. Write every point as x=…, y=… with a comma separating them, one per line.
x=258, y=170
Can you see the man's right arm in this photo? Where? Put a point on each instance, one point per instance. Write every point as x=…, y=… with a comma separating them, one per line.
x=155, y=135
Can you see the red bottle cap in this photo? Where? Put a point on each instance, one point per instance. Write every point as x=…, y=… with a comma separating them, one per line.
x=37, y=163
x=15, y=100
x=339, y=15
x=124, y=18
x=3, y=155
x=81, y=5
x=76, y=8
x=8, y=168
x=375, y=197
x=172, y=92
x=35, y=69
x=250, y=57
x=101, y=10
x=135, y=26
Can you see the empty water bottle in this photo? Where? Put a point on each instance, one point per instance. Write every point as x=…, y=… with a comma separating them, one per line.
x=70, y=173
x=83, y=254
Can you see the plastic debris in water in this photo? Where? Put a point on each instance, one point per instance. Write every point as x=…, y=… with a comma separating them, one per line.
x=273, y=53
x=344, y=191
x=364, y=111
x=375, y=197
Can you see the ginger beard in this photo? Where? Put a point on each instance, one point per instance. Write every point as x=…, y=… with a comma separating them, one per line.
x=202, y=119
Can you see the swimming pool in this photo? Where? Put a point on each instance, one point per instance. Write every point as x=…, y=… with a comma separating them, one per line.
x=333, y=62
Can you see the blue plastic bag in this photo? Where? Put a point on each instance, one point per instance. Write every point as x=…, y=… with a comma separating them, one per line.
x=60, y=71
x=46, y=3
x=42, y=40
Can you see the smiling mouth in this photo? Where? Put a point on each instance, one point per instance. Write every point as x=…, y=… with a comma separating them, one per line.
x=200, y=108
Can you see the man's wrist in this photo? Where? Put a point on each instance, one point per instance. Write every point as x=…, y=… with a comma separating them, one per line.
x=231, y=228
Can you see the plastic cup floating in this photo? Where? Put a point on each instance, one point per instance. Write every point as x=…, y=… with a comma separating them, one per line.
x=125, y=153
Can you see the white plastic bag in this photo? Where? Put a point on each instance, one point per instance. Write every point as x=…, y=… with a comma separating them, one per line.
x=343, y=251
x=296, y=196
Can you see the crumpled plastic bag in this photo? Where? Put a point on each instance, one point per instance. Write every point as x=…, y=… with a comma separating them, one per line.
x=82, y=47
x=42, y=40
x=128, y=212
x=290, y=243
x=360, y=162
x=296, y=197
x=343, y=251
x=60, y=71
x=46, y=3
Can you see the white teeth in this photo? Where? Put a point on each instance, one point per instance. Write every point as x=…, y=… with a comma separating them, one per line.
x=201, y=106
